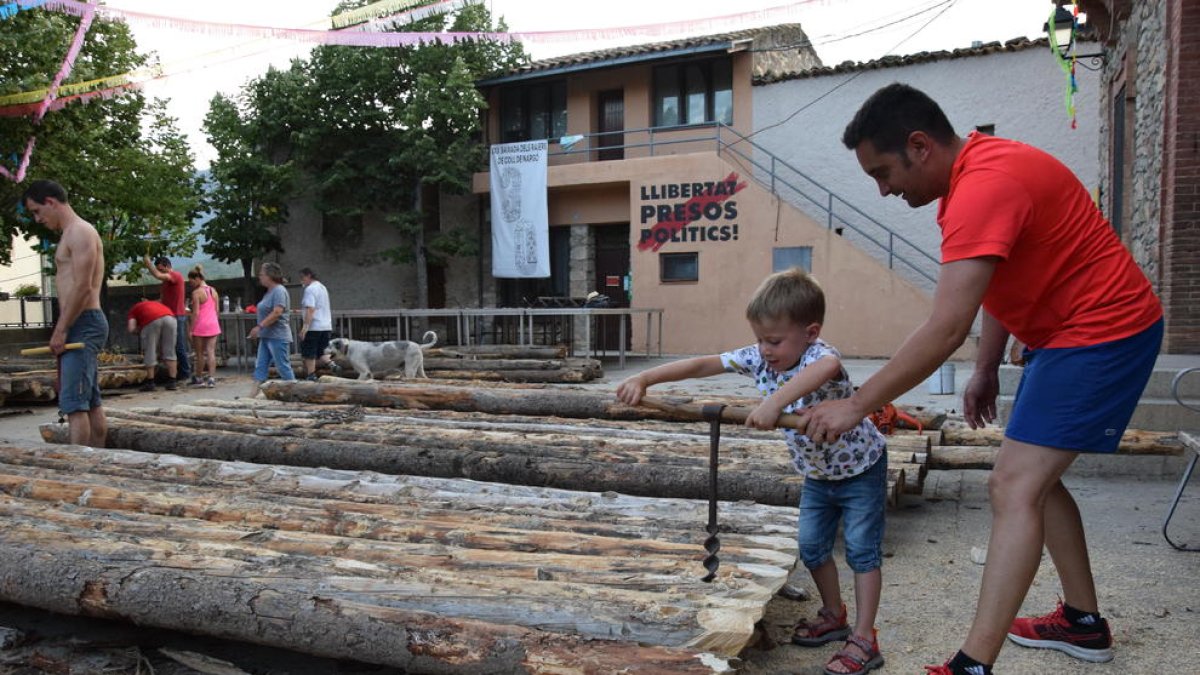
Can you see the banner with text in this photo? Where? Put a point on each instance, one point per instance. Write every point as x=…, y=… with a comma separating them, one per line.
x=520, y=223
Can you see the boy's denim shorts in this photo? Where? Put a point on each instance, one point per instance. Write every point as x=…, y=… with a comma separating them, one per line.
x=860, y=503
x=78, y=383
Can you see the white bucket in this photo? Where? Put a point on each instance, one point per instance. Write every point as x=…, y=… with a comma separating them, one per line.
x=942, y=380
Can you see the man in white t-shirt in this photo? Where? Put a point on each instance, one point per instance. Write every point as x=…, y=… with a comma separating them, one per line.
x=318, y=322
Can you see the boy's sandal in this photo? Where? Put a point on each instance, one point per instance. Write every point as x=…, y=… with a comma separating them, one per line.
x=855, y=664
x=828, y=628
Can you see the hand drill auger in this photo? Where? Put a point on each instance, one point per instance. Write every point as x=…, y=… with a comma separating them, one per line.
x=712, y=413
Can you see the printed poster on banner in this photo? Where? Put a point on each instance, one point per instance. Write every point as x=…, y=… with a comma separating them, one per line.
x=520, y=224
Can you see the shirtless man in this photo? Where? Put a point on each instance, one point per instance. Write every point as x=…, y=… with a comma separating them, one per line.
x=79, y=259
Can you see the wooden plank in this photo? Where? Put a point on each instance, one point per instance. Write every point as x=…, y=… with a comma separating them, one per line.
x=1133, y=442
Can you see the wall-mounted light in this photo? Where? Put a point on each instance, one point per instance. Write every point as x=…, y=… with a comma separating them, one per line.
x=1062, y=28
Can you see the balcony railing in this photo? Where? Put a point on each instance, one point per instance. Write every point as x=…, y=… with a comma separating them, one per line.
x=777, y=175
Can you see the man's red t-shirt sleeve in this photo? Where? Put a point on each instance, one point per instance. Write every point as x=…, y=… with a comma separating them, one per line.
x=984, y=215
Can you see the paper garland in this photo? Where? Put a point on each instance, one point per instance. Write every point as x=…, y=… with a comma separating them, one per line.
x=89, y=13
x=1067, y=65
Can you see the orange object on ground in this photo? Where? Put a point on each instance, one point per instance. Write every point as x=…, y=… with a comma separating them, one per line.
x=886, y=418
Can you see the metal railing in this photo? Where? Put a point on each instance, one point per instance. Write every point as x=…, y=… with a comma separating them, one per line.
x=33, y=311
x=775, y=174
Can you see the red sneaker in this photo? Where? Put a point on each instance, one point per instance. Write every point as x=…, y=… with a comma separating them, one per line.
x=1054, y=631
x=943, y=669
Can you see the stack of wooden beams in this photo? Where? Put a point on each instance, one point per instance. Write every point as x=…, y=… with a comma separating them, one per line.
x=37, y=386
x=419, y=574
x=957, y=446
x=562, y=438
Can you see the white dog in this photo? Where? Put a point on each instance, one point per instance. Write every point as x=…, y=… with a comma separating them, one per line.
x=369, y=358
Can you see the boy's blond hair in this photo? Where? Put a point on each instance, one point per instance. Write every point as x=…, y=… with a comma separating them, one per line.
x=792, y=294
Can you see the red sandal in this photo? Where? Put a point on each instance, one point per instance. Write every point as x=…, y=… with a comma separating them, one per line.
x=855, y=664
x=828, y=628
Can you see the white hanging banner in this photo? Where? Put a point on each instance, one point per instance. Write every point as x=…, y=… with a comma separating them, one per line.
x=520, y=224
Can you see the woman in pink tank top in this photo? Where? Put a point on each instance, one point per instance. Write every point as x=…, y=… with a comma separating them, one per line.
x=204, y=327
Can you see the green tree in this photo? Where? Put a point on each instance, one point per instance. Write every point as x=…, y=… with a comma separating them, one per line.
x=123, y=161
x=252, y=177
x=387, y=126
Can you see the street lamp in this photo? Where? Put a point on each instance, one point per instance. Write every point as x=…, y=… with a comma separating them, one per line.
x=1062, y=33
x=1063, y=30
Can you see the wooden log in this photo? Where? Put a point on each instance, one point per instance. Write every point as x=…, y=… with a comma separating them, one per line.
x=497, y=352
x=914, y=477
x=520, y=464
x=559, y=376
x=578, y=404
x=1133, y=442
x=908, y=443
x=952, y=457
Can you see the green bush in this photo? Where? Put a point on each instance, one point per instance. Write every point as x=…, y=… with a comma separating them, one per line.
x=27, y=290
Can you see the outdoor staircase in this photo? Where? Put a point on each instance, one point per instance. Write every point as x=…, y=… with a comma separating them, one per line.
x=1157, y=409
x=793, y=186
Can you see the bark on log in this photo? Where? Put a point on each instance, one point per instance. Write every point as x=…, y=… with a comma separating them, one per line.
x=38, y=386
x=1133, y=442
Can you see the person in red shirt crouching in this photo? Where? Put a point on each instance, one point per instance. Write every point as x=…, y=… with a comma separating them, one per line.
x=155, y=323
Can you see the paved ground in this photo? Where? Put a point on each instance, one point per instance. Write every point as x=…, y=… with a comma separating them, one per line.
x=1150, y=592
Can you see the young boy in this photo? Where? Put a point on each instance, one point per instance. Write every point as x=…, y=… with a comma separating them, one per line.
x=845, y=479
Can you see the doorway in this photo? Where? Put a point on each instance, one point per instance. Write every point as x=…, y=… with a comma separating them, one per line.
x=610, y=139
x=612, y=266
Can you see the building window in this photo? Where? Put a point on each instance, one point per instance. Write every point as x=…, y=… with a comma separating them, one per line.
x=693, y=93
x=533, y=112
x=785, y=258
x=679, y=267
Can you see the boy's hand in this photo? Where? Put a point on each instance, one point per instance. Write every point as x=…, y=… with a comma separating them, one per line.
x=631, y=390
x=763, y=417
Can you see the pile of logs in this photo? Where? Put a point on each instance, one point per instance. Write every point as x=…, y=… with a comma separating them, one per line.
x=497, y=363
x=569, y=439
x=38, y=386
x=416, y=574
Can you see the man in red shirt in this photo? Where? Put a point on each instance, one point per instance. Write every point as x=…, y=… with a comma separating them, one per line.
x=173, y=294
x=1022, y=238
x=155, y=323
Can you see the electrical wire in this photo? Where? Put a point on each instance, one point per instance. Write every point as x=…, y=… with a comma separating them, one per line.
x=837, y=37
x=848, y=80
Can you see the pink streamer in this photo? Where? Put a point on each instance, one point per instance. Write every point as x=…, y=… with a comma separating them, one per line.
x=352, y=38
x=20, y=175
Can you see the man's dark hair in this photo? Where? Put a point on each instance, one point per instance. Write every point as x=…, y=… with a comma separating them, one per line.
x=891, y=115
x=162, y=260
x=308, y=272
x=39, y=190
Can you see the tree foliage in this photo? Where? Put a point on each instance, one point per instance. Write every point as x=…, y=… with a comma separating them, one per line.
x=125, y=165
x=372, y=128
x=251, y=179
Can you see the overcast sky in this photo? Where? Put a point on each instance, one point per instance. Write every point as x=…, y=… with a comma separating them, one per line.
x=209, y=63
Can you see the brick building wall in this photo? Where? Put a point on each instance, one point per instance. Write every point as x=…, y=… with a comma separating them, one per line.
x=1181, y=180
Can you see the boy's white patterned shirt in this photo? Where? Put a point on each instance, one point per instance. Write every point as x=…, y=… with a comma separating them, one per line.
x=852, y=453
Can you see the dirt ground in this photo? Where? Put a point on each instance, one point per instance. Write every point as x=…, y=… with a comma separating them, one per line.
x=1149, y=592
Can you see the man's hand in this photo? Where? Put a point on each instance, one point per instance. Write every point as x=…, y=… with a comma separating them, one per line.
x=58, y=341
x=303, y=331
x=632, y=390
x=830, y=419
x=979, y=398
x=253, y=335
x=764, y=416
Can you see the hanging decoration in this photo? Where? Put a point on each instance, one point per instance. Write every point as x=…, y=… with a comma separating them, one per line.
x=1067, y=64
x=89, y=13
x=10, y=9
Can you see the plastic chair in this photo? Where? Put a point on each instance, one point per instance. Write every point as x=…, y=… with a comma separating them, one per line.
x=1187, y=473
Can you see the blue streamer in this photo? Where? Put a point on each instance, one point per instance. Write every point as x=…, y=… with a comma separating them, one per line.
x=10, y=10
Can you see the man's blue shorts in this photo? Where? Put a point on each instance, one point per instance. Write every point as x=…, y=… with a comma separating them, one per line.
x=78, y=383
x=1082, y=398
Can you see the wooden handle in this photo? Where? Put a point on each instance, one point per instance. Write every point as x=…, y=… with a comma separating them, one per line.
x=38, y=351
x=734, y=413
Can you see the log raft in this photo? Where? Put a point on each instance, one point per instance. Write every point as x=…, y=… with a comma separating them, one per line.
x=413, y=573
